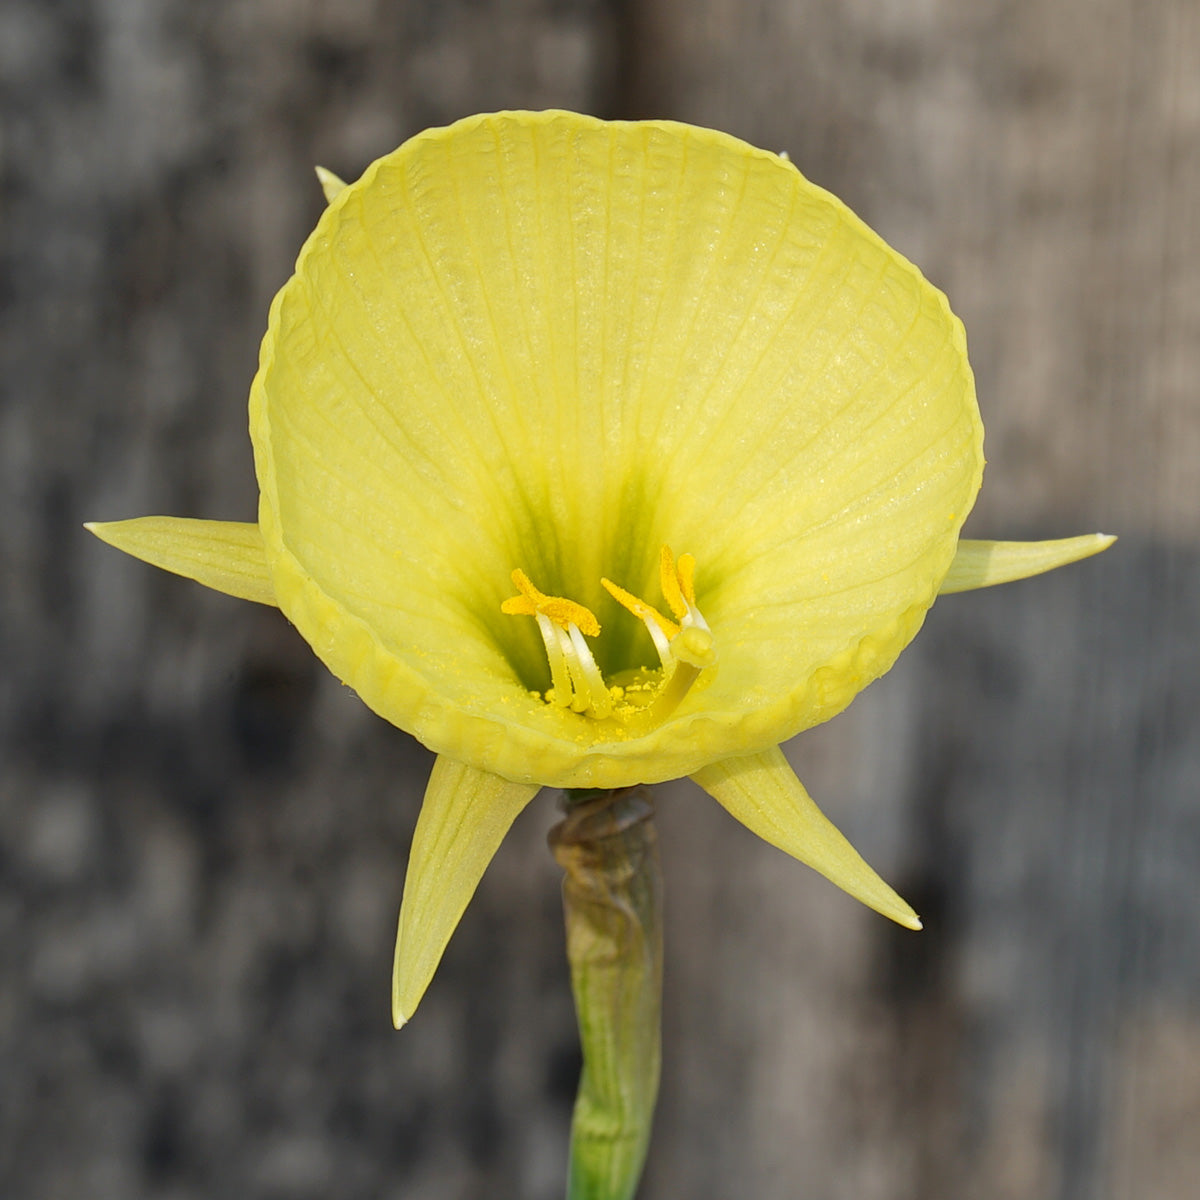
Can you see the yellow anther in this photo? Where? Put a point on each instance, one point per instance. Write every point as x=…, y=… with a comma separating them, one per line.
x=640, y=608
x=678, y=579
x=686, y=567
x=670, y=580
x=563, y=612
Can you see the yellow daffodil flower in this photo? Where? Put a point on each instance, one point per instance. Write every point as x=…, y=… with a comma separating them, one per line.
x=539, y=352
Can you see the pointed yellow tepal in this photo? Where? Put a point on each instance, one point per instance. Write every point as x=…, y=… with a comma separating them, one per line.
x=331, y=185
x=227, y=556
x=984, y=564
x=463, y=820
x=762, y=791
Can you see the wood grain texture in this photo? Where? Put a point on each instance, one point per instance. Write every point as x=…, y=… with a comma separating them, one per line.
x=202, y=835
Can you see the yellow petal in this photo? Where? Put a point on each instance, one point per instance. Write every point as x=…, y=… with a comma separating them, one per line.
x=227, y=556
x=762, y=791
x=982, y=564
x=463, y=820
x=331, y=185
x=548, y=340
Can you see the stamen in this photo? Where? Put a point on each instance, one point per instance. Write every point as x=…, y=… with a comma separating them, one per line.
x=560, y=678
x=561, y=611
x=586, y=676
x=687, y=579
x=685, y=647
x=670, y=580
x=660, y=629
x=576, y=680
x=679, y=587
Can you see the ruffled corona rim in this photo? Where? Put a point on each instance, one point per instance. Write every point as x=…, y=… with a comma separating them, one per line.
x=549, y=341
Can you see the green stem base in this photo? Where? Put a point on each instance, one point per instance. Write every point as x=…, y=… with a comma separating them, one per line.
x=612, y=897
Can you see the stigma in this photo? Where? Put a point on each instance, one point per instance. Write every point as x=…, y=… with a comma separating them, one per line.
x=683, y=642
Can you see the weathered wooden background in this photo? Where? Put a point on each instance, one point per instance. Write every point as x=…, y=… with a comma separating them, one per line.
x=202, y=836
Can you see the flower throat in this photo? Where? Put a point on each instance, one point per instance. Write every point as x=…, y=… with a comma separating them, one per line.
x=684, y=644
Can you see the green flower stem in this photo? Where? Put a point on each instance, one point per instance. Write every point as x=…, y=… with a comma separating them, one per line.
x=612, y=895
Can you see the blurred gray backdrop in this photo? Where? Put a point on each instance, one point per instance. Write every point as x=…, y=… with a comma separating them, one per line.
x=202, y=836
